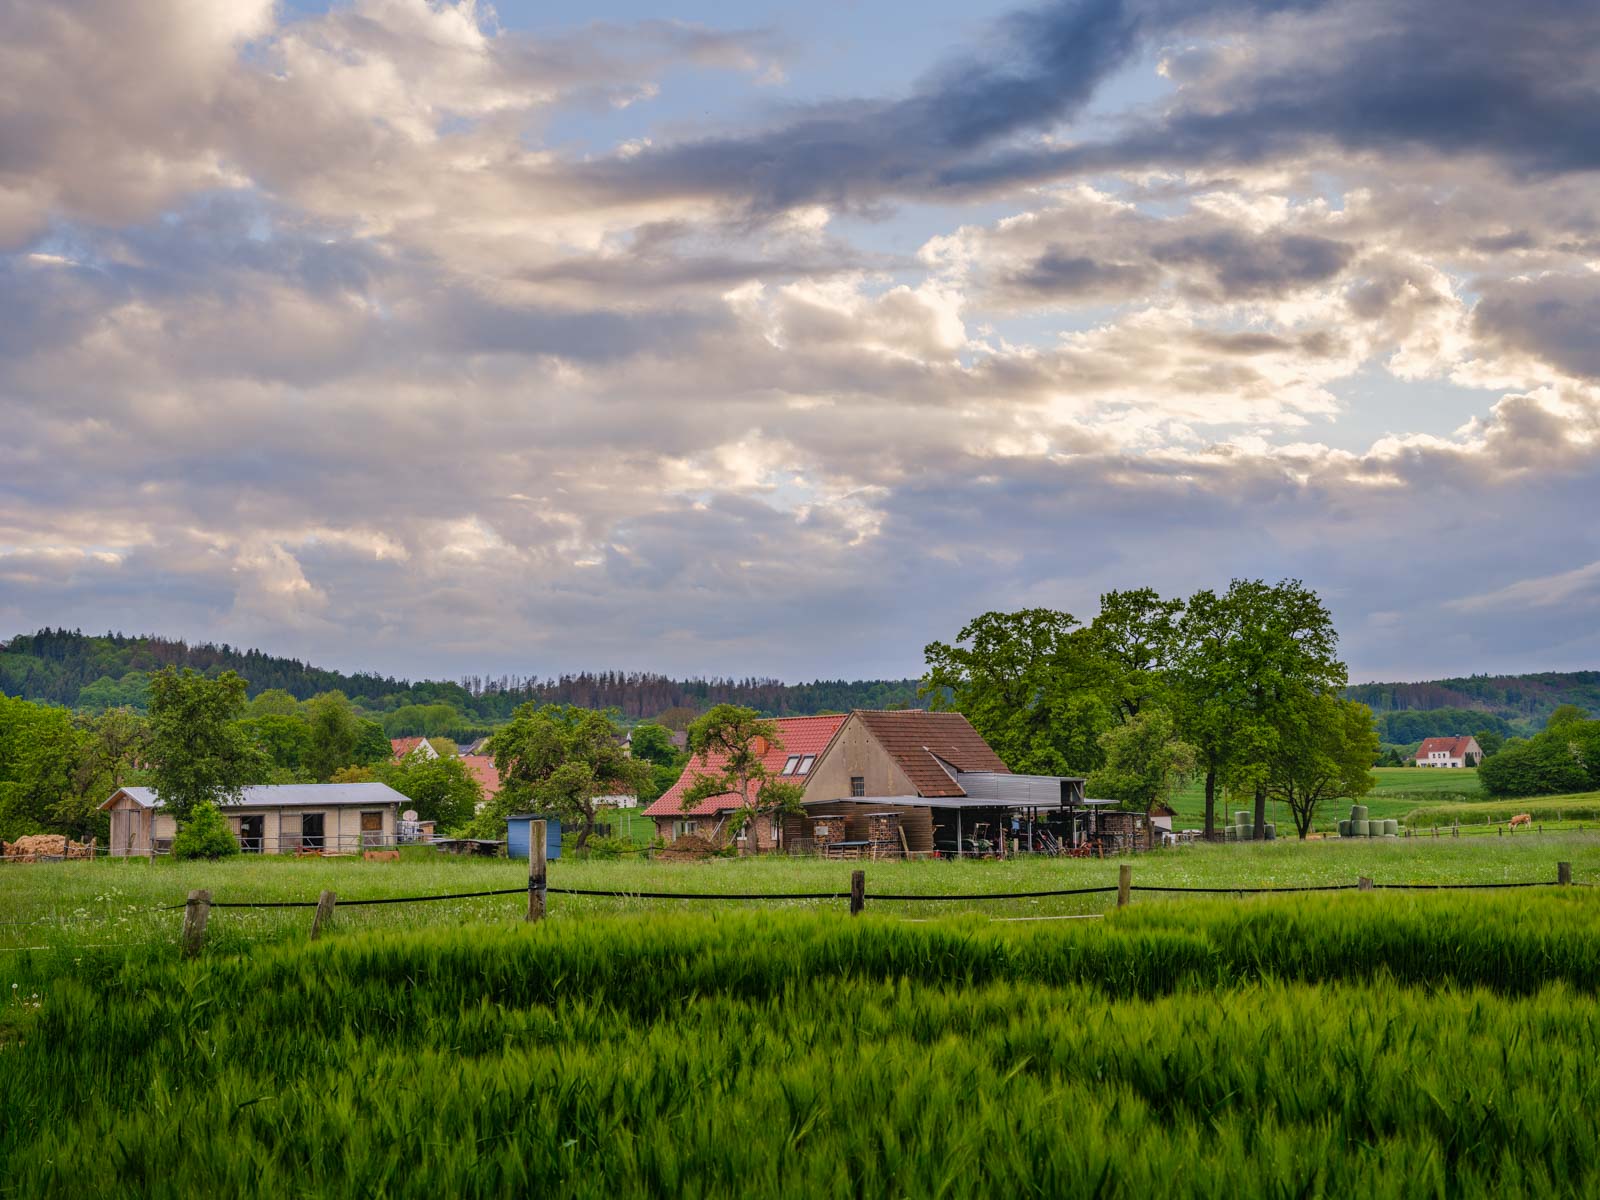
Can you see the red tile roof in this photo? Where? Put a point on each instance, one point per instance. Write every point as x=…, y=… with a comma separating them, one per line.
x=404, y=746
x=912, y=738
x=799, y=735
x=482, y=769
x=1454, y=746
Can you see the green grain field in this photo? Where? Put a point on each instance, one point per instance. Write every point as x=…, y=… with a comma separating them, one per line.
x=1386, y=1044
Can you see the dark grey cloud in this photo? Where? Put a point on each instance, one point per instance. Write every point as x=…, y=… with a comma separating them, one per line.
x=1517, y=86
x=1042, y=66
x=1238, y=265
x=1555, y=318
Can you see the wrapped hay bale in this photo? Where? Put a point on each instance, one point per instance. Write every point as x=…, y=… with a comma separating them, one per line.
x=1344, y=827
x=1358, y=827
x=1391, y=827
x=1243, y=817
x=1358, y=812
x=1272, y=831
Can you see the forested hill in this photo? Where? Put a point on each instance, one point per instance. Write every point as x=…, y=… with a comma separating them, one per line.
x=70, y=668
x=1524, y=701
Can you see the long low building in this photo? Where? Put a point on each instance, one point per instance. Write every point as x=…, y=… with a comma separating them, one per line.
x=269, y=818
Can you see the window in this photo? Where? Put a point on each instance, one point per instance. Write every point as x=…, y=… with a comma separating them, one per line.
x=791, y=764
x=858, y=786
x=682, y=828
x=805, y=764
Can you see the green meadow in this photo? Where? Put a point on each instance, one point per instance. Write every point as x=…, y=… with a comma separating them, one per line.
x=1396, y=792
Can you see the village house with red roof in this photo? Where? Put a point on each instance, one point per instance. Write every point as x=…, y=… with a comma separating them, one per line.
x=404, y=747
x=1459, y=751
x=906, y=783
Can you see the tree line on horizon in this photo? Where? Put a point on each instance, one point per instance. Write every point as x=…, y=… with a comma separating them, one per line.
x=97, y=673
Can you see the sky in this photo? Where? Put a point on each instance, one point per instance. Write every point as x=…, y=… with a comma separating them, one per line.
x=778, y=339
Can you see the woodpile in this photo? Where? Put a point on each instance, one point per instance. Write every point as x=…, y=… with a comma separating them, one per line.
x=36, y=846
x=683, y=849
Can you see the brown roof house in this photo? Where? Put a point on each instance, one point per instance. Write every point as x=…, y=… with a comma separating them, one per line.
x=884, y=784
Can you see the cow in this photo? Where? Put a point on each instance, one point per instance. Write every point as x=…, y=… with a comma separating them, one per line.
x=1522, y=819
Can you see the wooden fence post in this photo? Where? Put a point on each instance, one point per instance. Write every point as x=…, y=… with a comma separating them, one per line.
x=858, y=892
x=1124, y=885
x=325, y=903
x=195, y=911
x=536, y=870
x=1364, y=883
x=1564, y=874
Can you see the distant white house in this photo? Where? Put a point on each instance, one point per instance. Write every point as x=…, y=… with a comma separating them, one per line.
x=1459, y=751
x=405, y=747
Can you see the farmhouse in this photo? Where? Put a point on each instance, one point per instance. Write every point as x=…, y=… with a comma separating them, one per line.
x=278, y=818
x=1459, y=751
x=892, y=784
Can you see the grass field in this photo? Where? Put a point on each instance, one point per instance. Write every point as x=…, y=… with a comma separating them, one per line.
x=1398, y=790
x=57, y=917
x=1397, y=1044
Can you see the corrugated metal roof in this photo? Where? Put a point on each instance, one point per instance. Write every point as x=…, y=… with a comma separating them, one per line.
x=290, y=795
x=1020, y=789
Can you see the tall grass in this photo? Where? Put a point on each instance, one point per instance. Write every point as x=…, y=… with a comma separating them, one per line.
x=1384, y=1045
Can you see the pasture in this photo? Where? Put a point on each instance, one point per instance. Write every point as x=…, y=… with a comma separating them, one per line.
x=53, y=915
x=1389, y=1044
x=1396, y=792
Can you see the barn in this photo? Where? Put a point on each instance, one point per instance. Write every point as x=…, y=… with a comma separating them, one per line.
x=268, y=818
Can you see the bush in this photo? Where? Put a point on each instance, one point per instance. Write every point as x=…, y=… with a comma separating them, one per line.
x=1545, y=766
x=607, y=847
x=204, y=835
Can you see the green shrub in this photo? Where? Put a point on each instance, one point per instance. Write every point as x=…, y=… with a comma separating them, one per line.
x=204, y=835
x=607, y=847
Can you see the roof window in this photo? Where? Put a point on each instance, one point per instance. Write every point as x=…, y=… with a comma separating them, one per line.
x=805, y=764
x=790, y=766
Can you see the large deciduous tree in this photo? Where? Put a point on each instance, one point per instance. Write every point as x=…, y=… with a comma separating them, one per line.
x=561, y=759
x=729, y=744
x=1145, y=761
x=1027, y=682
x=1325, y=751
x=199, y=752
x=1241, y=659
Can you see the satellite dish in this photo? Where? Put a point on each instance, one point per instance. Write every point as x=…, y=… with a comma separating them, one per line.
x=410, y=814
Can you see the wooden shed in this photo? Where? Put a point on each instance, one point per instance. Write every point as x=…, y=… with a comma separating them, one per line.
x=275, y=818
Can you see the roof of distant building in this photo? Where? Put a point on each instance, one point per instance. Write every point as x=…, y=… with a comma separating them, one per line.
x=288, y=795
x=797, y=736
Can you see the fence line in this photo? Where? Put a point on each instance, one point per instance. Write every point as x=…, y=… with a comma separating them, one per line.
x=197, y=908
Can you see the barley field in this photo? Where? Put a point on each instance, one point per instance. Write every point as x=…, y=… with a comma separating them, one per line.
x=1355, y=1044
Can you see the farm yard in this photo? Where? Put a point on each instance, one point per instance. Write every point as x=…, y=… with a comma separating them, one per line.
x=1389, y=1043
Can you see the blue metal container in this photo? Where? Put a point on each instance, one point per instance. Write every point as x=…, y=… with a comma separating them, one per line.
x=519, y=826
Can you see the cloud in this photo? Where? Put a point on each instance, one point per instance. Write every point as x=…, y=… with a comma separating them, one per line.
x=312, y=336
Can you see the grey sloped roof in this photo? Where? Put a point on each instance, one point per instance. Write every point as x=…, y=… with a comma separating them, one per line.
x=290, y=795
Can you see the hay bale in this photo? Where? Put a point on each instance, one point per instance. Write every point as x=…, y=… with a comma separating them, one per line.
x=1272, y=831
x=1358, y=827
x=1391, y=827
x=1358, y=812
x=1344, y=827
x=1243, y=817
